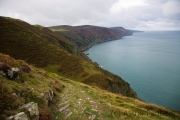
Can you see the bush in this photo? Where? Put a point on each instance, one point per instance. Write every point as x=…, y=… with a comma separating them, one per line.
x=7, y=99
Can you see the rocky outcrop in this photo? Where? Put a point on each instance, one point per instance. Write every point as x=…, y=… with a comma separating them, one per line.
x=13, y=73
x=8, y=72
x=19, y=116
x=31, y=112
x=47, y=96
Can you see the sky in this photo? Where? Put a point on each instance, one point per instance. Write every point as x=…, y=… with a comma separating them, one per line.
x=130, y=14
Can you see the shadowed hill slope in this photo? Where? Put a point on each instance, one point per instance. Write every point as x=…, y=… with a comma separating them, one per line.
x=57, y=39
x=85, y=36
x=37, y=46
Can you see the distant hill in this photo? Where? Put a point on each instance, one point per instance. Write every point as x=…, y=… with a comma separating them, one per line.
x=85, y=36
x=43, y=48
x=136, y=31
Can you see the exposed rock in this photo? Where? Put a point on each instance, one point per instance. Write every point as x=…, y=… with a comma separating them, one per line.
x=47, y=96
x=66, y=101
x=13, y=73
x=32, y=89
x=19, y=116
x=42, y=95
x=89, y=113
x=2, y=74
x=68, y=115
x=93, y=117
x=25, y=83
x=10, y=118
x=10, y=73
x=63, y=108
x=32, y=109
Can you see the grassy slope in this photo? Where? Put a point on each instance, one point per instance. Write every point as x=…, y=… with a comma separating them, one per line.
x=86, y=99
x=42, y=53
x=15, y=93
x=57, y=39
x=83, y=100
x=26, y=42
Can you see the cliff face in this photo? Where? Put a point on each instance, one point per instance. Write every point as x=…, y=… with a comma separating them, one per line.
x=111, y=85
x=86, y=36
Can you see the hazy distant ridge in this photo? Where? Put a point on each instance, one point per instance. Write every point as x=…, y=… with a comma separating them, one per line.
x=86, y=35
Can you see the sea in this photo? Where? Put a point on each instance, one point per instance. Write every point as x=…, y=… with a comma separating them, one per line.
x=149, y=61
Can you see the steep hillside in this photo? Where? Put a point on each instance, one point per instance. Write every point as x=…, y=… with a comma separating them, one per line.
x=33, y=85
x=57, y=39
x=85, y=36
x=38, y=94
x=33, y=45
x=9, y=26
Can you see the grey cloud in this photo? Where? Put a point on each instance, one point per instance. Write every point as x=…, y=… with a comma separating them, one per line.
x=171, y=8
x=93, y=12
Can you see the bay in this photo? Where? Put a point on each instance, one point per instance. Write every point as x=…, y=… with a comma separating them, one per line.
x=149, y=61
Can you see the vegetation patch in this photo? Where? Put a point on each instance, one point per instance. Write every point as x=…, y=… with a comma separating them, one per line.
x=31, y=84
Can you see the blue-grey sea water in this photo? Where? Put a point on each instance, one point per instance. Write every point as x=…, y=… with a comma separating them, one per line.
x=149, y=61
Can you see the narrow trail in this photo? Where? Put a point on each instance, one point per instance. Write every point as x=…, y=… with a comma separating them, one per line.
x=77, y=103
x=82, y=102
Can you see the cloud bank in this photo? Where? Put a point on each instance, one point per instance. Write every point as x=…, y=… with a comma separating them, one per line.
x=138, y=14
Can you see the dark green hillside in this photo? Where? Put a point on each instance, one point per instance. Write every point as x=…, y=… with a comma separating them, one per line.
x=24, y=29
x=37, y=46
x=23, y=41
x=58, y=39
x=85, y=36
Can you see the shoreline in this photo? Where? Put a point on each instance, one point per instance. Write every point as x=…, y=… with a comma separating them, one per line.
x=164, y=104
x=90, y=46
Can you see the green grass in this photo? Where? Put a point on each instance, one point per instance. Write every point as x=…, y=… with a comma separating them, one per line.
x=83, y=99
x=115, y=106
x=43, y=48
x=15, y=93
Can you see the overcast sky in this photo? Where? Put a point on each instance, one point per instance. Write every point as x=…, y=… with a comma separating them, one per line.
x=130, y=14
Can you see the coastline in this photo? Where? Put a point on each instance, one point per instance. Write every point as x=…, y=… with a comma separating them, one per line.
x=156, y=57
x=90, y=46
